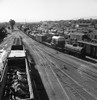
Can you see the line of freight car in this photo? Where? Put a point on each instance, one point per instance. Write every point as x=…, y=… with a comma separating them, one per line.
x=70, y=49
x=84, y=49
x=75, y=50
x=18, y=85
x=58, y=42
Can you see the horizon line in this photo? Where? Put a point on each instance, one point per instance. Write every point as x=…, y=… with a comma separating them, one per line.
x=86, y=18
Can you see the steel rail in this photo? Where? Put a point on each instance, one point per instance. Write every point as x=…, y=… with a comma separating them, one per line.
x=77, y=83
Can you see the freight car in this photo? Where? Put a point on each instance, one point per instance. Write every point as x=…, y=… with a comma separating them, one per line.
x=90, y=48
x=18, y=85
x=75, y=50
x=40, y=38
x=17, y=41
x=33, y=36
x=58, y=42
x=17, y=44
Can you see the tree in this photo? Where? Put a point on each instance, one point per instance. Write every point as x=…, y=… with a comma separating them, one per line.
x=12, y=23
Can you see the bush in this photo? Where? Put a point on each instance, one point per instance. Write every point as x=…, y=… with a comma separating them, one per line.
x=2, y=32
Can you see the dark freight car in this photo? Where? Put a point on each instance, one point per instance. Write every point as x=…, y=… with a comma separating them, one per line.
x=40, y=37
x=58, y=42
x=18, y=85
x=75, y=50
x=90, y=48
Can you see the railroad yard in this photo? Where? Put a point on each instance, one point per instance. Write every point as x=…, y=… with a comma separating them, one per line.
x=48, y=50
x=69, y=78
x=54, y=75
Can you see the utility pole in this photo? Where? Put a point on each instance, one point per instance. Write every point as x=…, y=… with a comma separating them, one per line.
x=25, y=22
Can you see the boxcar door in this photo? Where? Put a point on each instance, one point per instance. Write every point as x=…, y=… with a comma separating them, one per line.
x=88, y=49
x=95, y=51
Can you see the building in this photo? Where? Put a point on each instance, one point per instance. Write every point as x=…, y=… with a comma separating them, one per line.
x=76, y=35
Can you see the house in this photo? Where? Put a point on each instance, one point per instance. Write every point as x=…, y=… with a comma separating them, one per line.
x=76, y=35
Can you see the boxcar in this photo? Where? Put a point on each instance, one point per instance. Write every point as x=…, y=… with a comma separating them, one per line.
x=40, y=37
x=90, y=48
x=58, y=42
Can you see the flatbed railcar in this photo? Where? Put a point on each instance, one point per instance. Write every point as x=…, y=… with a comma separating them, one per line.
x=17, y=44
x=17, y=41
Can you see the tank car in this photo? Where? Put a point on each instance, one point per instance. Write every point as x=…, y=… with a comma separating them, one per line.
x=75, y=50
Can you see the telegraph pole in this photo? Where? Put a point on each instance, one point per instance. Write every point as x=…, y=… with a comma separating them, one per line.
x=25, y=21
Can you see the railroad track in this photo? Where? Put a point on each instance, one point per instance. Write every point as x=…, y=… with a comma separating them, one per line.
x=73, y=84
x=93, y=71
x=79, y=91
x=89, y=73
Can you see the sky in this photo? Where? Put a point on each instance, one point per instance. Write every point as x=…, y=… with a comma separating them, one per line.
x=44, y=10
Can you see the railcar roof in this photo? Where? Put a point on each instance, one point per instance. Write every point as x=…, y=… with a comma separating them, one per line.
x=17, y=53
x=57, y=37
x=40, y=34
x=73, y=47
x=89, y=43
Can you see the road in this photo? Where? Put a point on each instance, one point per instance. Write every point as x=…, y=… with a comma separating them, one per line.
x=64, y=77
